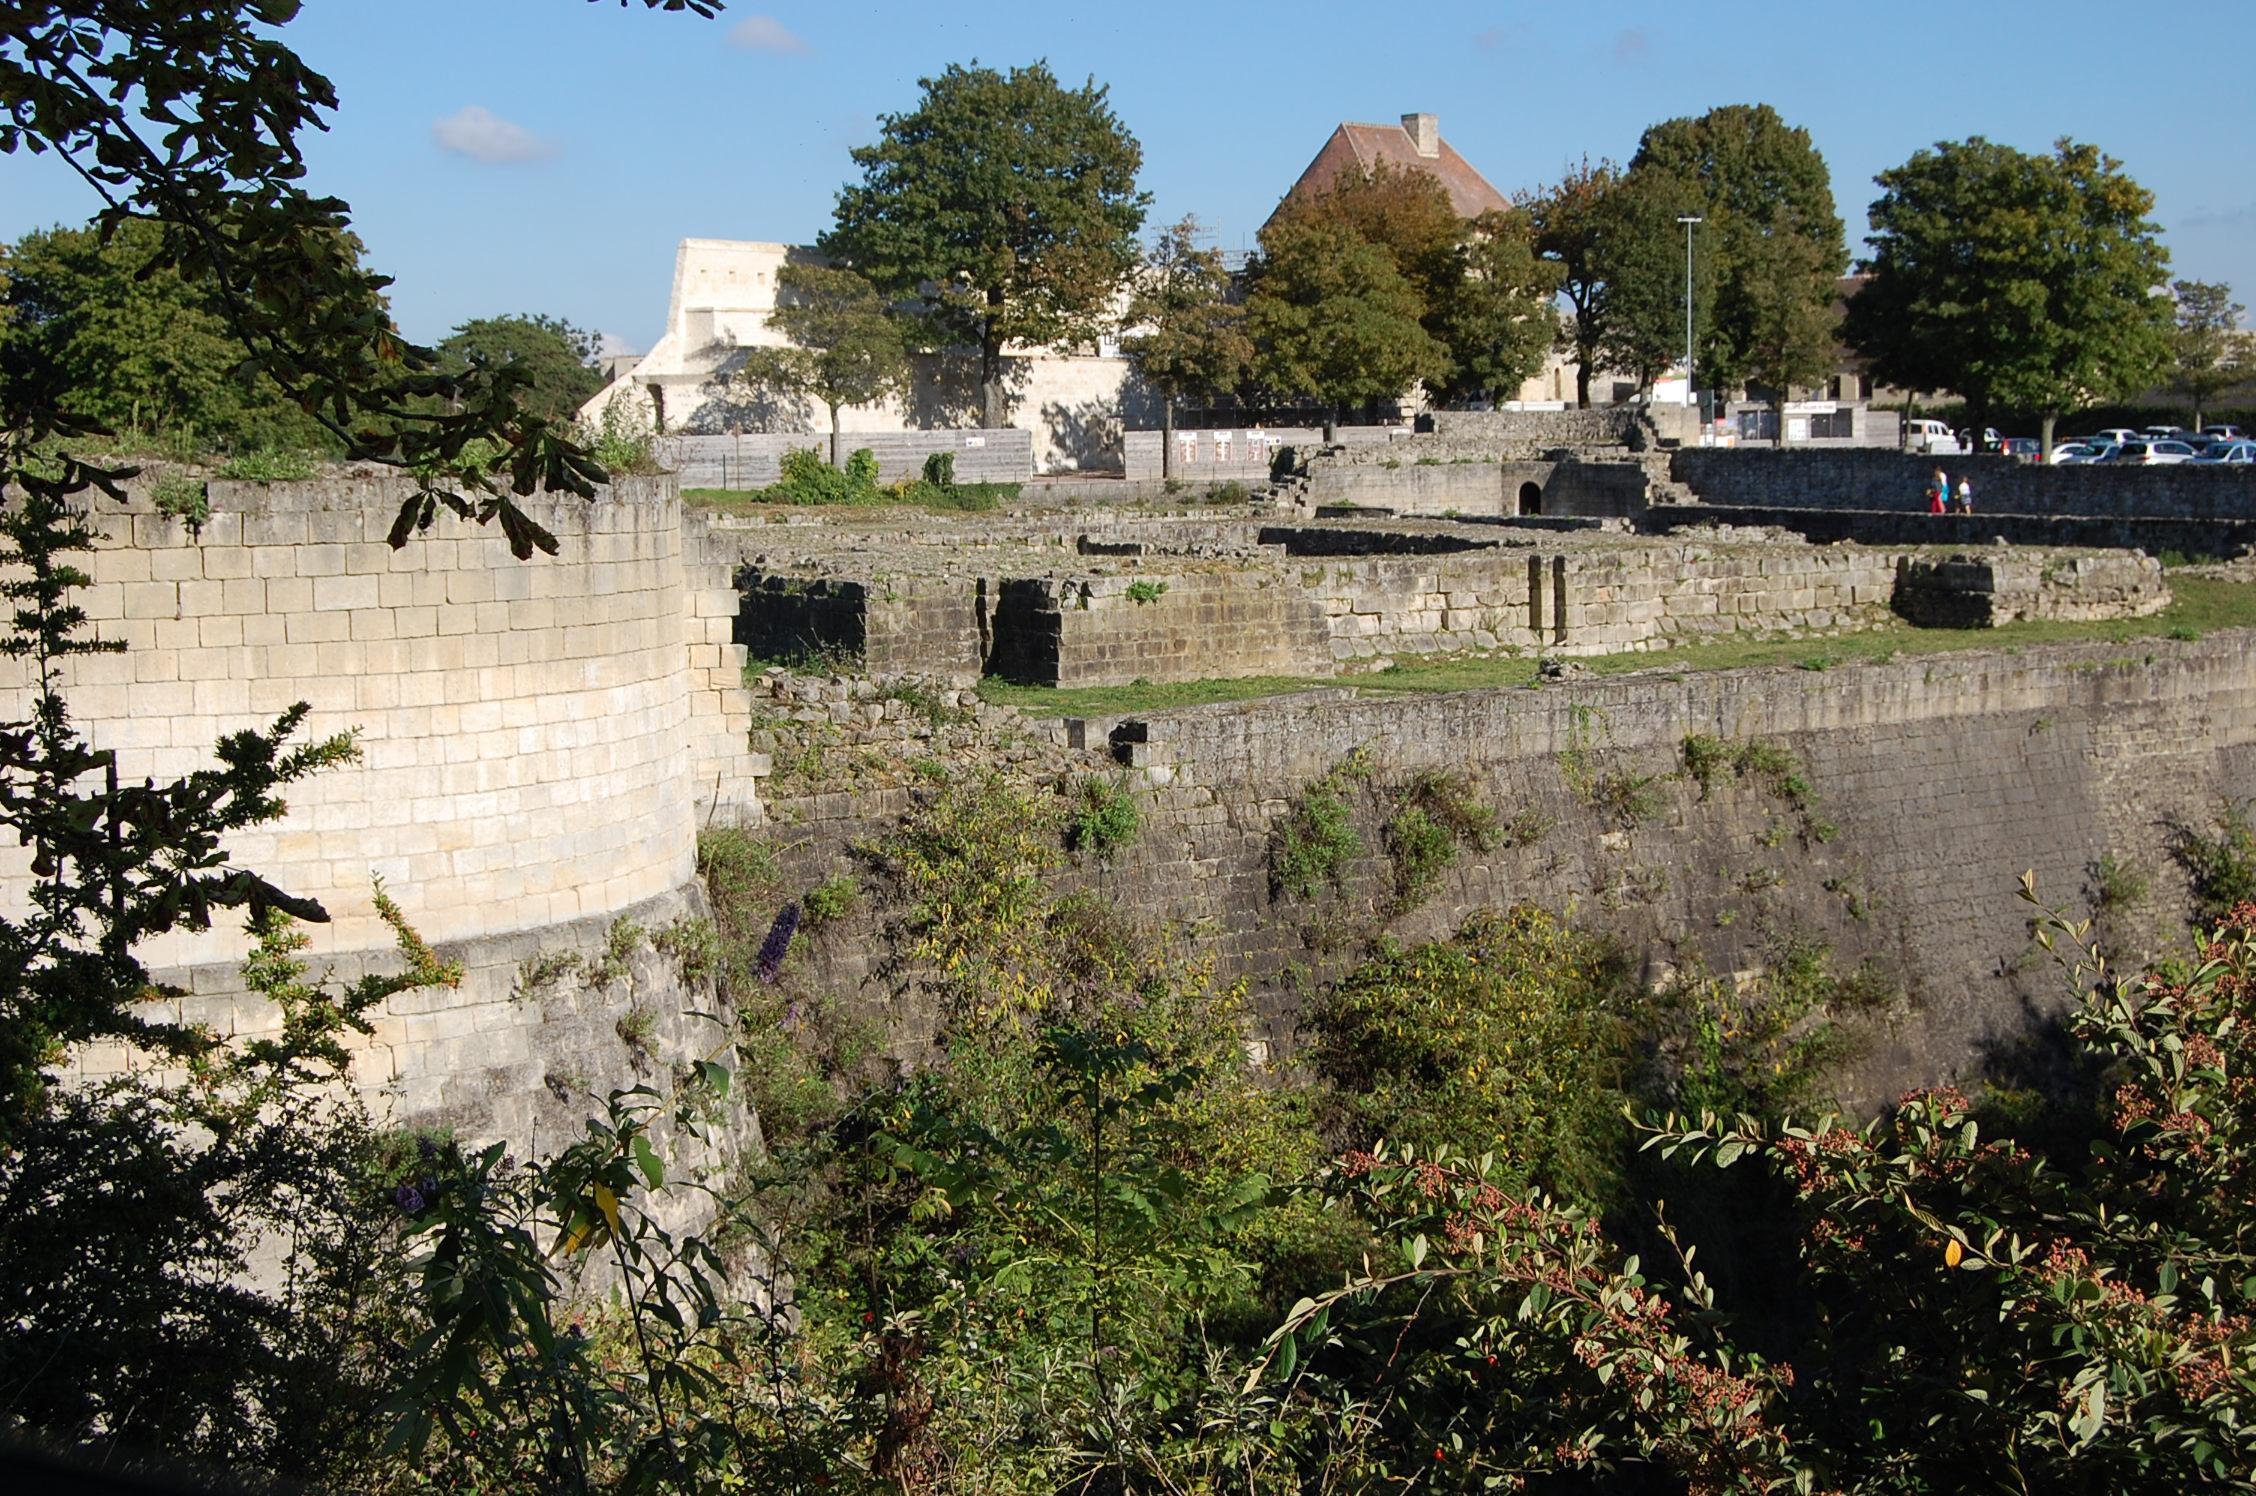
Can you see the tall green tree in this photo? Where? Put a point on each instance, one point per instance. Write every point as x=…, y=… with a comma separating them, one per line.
x=2202, y=341
x=1760, y=183
x=1638, y=259
x=1499, y=317
x=1570, y=219
x=1334, y=318
x=1189, y=336
x=1008, y=203
x=556, y=358
x=99, y=326
x=848, y=348
x=2020, y=282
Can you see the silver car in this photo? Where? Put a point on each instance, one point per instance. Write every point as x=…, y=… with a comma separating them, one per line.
x=2149, y=454
x=2229, y=454
x=2078, y=454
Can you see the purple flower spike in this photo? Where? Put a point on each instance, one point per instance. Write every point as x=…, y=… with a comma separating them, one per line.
x=778, y=944
x=409, y=1199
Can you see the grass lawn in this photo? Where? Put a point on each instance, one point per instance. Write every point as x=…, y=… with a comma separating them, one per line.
x=2200, y=605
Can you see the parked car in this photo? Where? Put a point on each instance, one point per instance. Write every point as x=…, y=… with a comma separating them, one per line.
x=2235, y=454
x=2166, y=433
x=2224, y=433
x=2070, y=454
x=2113, y=436
x=2149, y=453
x=1932, y=437
x=2025, y=448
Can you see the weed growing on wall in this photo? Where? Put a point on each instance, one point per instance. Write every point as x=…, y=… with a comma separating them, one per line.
x=1767, y=1048
x=270, y=465
x=1619, y=796
x=1709, y=760
x=1102, y=817
x=183, y=498
x=1315, y=842
x=1146, y=592
x=2118, y=884
x=1434, y=814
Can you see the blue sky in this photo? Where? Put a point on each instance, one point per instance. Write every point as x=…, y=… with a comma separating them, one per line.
x=545, y=155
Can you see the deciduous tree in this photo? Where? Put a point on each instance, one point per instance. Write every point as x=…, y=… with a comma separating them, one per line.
x=2203, y=342
x=1759, y=182
x=1334, y=318
x=1498, y=316
x=1189, y=335
x=847, y=348
x=1639, y=262
x=1569, y=221
x=2020, y=282
x=1006, y=201
x=557, y=359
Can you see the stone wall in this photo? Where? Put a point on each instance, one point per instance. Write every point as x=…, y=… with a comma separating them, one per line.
x=1983, y=590
x=1876, y=478
x=522, y=724
x=1897, y=527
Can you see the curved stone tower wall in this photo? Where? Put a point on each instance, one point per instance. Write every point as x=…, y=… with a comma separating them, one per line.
x=523, y=726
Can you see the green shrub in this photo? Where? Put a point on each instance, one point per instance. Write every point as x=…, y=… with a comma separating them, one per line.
x=1434, y=814
x=1103, y=818
x=830, y=900
x=861, y=470
x=1315, y=841
x=1513, y=1036
x=2118, y=883
x=940, y=470
x=183, y=498
x=1146, y=592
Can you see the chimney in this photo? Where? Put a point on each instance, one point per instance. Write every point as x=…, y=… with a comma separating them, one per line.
x=1424, y=131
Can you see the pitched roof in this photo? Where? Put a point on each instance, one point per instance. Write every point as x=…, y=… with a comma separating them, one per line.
x=1361, y=147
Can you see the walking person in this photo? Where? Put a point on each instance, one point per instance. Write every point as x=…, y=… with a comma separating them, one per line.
x=1965, y=494
x=1938, y=492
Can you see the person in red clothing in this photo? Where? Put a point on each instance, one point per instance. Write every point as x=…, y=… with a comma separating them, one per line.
x=1938, y=492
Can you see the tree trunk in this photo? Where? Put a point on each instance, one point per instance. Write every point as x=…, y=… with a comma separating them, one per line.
x=834, y=436
x=1331, y=424
x=991, y=412
x=1778, y=420
x=1903, y=423
x=1166, y=437
x=2044, y=434
x=1582, y=379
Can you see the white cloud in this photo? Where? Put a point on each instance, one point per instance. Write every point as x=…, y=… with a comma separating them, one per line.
x=482, y=135
x=767, y=34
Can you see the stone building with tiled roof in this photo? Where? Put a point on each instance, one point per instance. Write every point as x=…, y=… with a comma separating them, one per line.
x=1413, y=145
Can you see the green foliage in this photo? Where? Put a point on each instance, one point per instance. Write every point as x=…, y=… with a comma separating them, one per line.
x=847, y=348
x=2220, y=864
x=830, y=900
x=621, y=438
x=1767, y=1048
x=1573, y=228
x=120, y=335
x=1514, y=1036
x=1434, y=814
x=1189, y=337
x=224, y=203
x=1005, y=203
x=2118, y=884
x=1146, y=592
x=615, y=963
x=1103, y=817
x=2021, y=282
x=1333, y=314
x=556, y=359
x=1498, y=317
x=693, y=944
x=1314, y=843
x=184, y=499
x=2205, y=356
x=940, y=470
x=1771, y=234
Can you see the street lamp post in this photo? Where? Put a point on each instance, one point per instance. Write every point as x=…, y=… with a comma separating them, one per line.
x=1688, y=220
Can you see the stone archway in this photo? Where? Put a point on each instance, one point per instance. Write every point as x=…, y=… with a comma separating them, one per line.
x=1531, y=498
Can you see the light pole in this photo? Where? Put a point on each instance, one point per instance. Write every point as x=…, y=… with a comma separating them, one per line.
x=1688, y=220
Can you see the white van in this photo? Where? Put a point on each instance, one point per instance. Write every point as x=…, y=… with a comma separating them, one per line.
x=1932, y=437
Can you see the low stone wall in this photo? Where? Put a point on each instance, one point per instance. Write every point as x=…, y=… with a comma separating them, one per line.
x=2189, y=537
x=1399, y=484
x=1505, y=431
x=1879, y=479
x=1985, y=590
